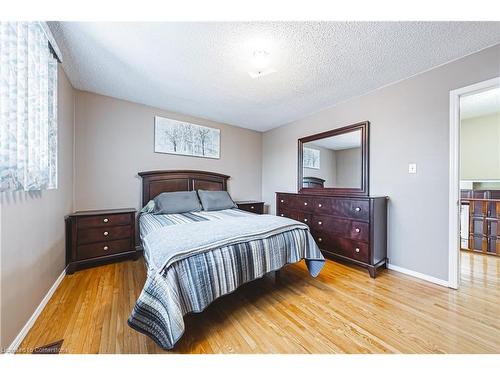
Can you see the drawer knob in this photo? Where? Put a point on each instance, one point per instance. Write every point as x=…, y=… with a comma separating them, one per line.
x=305, y=203
x=105, y=248
x=252, y=207
x=105, y=220
x=282, y=201
x=357, y=209
x=320, y=205
x=357, y=250
x=320, y=239
x=105, y=233
x=281, y=215
x=357, y=230
x=320, y=222
x=305, y=220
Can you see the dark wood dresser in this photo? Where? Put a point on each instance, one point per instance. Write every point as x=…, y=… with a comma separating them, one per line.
x=352, y=229
x=98, y=237
x=251, y=206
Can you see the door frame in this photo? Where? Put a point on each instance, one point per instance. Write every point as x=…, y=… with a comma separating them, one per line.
x=454, y=175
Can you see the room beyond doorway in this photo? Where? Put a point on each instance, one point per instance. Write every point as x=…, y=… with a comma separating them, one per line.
x=474, y=172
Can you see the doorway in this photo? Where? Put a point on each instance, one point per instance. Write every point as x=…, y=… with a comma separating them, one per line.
x=474, y=174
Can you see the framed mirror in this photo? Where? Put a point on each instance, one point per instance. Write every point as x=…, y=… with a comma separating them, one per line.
x=335, y=162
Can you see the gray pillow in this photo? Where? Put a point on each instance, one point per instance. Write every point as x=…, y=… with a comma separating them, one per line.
x=215, y=200
x=177, y=202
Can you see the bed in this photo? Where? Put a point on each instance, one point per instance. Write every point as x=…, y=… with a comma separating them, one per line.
x=193, y=258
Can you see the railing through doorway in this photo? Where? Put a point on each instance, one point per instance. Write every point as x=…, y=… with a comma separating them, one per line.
x=483, y=225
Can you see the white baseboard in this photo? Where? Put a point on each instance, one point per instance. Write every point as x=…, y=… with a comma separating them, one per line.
x=31, y=321
x=418, y=275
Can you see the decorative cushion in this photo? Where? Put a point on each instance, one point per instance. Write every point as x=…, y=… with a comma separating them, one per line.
x=215, y=200
x=176, y=202
x=149, y=208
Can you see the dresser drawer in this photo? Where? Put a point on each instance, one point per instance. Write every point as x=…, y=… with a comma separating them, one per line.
x=103, y=220
x=356, y=230
x=348, y=208
x=103, y=234
x=296, y=202
x=356, y=250
x=99, y=249
x=287, y=213
x=303, y=217
x=352, y=249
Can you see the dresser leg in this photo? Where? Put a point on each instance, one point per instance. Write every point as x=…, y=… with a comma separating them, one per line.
x=373, y=272
x=70, y=269
x=277, y=276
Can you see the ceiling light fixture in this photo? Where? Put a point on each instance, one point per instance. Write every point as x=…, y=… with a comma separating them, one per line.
x=260, y=61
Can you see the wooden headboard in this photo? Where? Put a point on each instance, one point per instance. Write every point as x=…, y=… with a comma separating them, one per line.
x=157, y=182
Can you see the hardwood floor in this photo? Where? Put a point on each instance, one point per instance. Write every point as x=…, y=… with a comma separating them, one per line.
x=341, y=311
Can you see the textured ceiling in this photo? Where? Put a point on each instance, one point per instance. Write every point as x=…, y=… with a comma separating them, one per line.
x=480, y=104
x=201, y=69
x=340, y=142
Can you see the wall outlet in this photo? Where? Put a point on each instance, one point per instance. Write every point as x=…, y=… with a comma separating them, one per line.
x=412, y=168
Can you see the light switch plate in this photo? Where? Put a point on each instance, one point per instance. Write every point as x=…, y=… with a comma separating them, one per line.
x=412, y=168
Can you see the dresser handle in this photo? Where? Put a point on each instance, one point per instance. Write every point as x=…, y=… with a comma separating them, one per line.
x=282, y=201
x=320, y=239
x=252, y=207
x=357, y=209
x=305, y=203
x=281, y=215
x=320, y=222
x=357, y=230
x=105, y=233
x=357, y=250
x=320, y=205
x=105, y=248
x=305, y=220
x=106, y=220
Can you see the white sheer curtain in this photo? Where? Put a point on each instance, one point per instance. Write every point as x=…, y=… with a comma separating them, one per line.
x=28, y=108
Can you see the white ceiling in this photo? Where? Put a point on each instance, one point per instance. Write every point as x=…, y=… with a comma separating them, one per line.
x=201, y=69
x=340, y=142
x=480, y=104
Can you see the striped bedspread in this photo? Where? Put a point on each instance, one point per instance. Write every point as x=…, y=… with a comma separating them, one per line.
x=184, y=277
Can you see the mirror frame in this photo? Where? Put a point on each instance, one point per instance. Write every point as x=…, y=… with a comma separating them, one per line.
x=362, y=191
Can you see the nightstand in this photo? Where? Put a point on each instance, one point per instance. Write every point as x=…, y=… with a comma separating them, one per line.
x=99, y=237
x=251, y=206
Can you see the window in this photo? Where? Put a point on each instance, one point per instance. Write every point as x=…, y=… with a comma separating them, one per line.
x=28, y=108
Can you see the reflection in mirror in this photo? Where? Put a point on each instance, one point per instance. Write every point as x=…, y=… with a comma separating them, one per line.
x=333, y=162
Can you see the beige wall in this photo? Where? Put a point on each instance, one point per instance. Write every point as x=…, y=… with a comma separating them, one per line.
x=348, y=166
x=409, y=123
x=114, y=141
x=32, y=232
x=490, y=185
x=480, y=148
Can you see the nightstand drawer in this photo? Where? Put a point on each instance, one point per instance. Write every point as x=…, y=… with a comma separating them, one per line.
x=99, y=249
x=103, y=234
x=103, y=220
x=255, y=207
